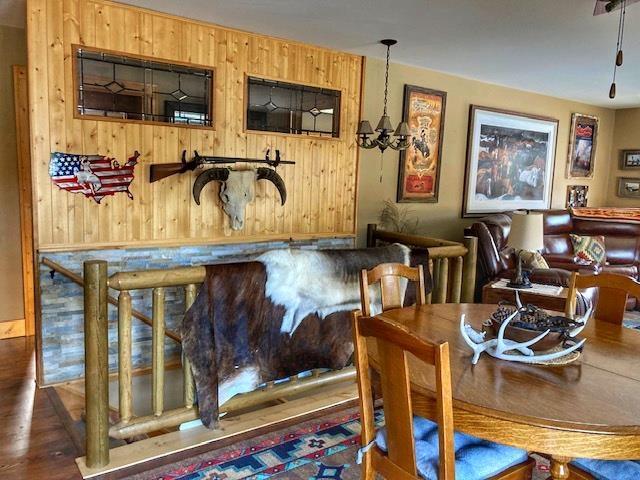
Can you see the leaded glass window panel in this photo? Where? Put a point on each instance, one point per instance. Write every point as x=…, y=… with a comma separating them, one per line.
x=127, y=88
x=275, y=106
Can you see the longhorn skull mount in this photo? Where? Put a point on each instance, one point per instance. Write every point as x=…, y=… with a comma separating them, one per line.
x=237, y=189
x=499, y=346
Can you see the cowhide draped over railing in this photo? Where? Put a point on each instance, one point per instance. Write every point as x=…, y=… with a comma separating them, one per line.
x=96, y=287
x=452, y=264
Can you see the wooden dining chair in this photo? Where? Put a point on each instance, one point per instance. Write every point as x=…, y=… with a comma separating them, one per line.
x=613, y=290
x=390, y=276
x=398, y=462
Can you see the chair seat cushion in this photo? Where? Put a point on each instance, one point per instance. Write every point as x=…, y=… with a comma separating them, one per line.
x=610, y=469
x=476, y=459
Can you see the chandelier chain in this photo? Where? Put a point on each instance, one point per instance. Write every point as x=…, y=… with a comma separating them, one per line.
x=386, y=80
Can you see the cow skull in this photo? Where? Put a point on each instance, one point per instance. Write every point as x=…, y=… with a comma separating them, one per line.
x=237, y=189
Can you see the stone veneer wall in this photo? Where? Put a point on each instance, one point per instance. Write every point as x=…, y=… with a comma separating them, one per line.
x=62, y=300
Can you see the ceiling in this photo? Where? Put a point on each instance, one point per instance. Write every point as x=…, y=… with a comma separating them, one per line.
x=552, y=47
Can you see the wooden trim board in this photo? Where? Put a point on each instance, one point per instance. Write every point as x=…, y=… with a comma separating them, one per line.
x=174, y=442
x=12, y=329
x=21, y=101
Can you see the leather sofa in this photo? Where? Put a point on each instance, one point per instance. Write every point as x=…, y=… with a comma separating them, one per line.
x=496, y=260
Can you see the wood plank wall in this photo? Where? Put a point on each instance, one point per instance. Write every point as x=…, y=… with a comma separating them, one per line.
x=321, y=186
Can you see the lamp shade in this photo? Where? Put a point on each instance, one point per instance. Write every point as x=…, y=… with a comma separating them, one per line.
x=526, y=231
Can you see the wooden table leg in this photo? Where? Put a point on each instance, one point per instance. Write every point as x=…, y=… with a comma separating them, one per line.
x=559, y=468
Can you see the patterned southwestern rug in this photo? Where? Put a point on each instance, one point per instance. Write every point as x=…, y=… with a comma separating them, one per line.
x=321, y=449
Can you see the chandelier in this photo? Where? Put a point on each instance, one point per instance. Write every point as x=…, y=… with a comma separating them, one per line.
x=385, y=131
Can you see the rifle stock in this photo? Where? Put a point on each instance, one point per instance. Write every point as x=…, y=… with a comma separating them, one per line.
x=158, y=171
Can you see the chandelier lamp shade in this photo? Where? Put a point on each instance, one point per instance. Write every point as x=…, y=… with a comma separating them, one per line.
x=387, y=137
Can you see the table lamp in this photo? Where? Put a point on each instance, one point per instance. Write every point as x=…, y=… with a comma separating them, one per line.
x=526, y=235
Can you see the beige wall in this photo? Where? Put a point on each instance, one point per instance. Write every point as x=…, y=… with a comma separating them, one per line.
x=442, y=219
x=14, y=51
x=625, y=137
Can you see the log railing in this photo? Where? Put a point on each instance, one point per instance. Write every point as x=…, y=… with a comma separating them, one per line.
x=96, y=299
x=452, y=264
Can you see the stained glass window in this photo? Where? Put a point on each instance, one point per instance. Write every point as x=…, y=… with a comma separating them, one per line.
x=275, y=106
x=127, y=88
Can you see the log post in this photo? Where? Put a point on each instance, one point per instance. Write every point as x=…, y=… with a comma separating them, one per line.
x=442, y=280
x=189, y=387
x=456, y=280
x=124, y=356
x=371, y=235
x=96, y=337
x=469, y=269
x=157, y=346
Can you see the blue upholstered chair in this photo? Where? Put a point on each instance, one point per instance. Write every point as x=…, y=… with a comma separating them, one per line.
x=409, y=446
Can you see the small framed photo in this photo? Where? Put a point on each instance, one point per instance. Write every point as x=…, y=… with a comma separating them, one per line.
x=582, y=146
x=577, y=196
x=629, y=187
x=630, y=160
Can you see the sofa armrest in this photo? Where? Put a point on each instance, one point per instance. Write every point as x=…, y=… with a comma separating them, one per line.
x=488, y=256
x=551, y=276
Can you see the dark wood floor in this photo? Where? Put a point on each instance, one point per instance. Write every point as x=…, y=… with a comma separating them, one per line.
x=34, y=443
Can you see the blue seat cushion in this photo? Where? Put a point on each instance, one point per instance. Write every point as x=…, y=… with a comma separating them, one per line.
x=610, y=469
x=476, y=459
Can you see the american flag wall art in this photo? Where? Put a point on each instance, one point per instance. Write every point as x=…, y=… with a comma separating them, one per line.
x=95, y=176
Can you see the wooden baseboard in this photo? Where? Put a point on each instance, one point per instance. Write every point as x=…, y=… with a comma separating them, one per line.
x=12, y=329
x=175, y=442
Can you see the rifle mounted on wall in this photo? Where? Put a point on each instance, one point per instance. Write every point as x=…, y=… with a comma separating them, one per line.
x=158, y=171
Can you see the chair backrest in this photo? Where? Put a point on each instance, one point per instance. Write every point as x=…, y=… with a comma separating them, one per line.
x=613, y=291
x=389, y=276
x=393, y=341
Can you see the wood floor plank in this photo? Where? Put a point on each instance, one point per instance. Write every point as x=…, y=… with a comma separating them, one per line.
x=35, y=443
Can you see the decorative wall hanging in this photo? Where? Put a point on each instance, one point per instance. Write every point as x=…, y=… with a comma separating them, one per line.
x=630, y=160
x=158, y=171
x=419, y=172
x=526, y=334
x=629, y=187
x=577, y=196
x=384, y=128
x=95, y=176
x=510, y=159
x=582, y=146
x=237, y=189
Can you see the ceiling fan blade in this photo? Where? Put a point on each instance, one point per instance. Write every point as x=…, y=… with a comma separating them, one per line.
x=608, y=6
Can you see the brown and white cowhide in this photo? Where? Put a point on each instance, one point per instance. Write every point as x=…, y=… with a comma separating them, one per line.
x=286, y=313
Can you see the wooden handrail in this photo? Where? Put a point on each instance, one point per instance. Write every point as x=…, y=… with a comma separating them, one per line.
x=173, y=277
x=75, y=278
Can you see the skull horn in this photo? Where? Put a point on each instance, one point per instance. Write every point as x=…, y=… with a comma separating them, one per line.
x=211, y=175
x=264, y=173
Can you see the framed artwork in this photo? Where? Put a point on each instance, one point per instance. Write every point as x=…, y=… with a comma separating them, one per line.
x=630, y=160
x=510, y=160
x=582, y=146
x=629, y=187
x=577, y=196
x=419, y=172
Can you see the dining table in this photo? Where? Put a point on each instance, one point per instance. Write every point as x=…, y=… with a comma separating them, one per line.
x=589, y=408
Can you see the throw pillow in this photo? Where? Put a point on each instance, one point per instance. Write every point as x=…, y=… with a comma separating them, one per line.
x=589, y=249
x=533, y=260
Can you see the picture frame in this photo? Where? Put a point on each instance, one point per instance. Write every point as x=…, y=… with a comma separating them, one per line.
x=630, y=160
x=577, y=196
x=419, y=168
x=628, y=187
x=582, y=146
x=510, y=161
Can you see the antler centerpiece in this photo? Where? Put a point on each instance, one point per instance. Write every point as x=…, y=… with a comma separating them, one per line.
x=517, y=332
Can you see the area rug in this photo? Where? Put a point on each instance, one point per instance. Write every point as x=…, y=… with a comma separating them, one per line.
x=321, y=449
